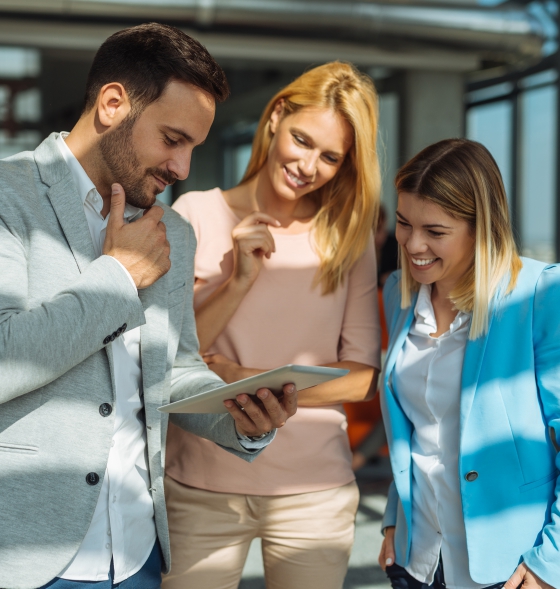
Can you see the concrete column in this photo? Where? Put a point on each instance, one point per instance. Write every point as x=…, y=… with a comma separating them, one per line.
x=432, y=109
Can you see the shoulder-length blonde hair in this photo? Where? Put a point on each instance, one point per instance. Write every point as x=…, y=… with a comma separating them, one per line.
x=349, y=202
x=462, y=178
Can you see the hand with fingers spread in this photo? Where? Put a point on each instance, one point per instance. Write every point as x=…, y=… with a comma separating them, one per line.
x=141, y=247
x=252, y=241
x=254, y=418
x=387, y=552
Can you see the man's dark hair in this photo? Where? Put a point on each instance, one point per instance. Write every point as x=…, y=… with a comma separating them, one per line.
x=145, y=58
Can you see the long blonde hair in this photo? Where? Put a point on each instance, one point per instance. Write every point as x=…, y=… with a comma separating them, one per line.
x=348, y=203
x=462, y=178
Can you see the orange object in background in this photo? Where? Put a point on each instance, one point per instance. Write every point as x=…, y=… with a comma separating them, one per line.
x=363, y=416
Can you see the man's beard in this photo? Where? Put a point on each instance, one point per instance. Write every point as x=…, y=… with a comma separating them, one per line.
x=120, y=158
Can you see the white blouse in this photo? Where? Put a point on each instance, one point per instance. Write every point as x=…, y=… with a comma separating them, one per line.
x=427, y=382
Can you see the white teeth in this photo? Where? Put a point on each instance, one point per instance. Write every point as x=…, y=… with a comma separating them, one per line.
x=295, y=178
x=419, y=262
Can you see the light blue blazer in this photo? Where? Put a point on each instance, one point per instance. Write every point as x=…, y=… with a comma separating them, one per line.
x=510, y=421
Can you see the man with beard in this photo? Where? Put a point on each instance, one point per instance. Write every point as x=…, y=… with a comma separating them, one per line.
x=96, y=324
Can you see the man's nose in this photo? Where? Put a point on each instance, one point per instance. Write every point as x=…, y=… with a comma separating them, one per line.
x=180, y=166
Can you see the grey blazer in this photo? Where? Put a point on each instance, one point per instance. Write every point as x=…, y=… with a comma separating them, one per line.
x=57, y=305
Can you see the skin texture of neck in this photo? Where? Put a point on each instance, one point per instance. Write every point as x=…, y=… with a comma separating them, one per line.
x=444, y=309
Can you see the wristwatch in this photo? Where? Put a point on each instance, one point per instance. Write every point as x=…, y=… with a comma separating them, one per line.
x=257, y=438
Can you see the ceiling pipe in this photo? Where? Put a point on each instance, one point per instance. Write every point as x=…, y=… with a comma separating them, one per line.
x=502, y=28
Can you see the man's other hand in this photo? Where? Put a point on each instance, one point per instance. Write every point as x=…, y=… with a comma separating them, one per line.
x=141, y=247
x=254, y=419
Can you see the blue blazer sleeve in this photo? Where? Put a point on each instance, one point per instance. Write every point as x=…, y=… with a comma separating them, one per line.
x=392, y=300
x=392, y=308
x=544, y=559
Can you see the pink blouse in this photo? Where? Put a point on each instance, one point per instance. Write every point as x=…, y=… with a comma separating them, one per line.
x=283, y=319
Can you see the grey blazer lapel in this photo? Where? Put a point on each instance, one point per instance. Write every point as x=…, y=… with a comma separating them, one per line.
x=65, y=200
x=153, y=342
x=69, y=209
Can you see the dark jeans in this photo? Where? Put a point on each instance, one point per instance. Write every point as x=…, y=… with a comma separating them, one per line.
x=400, y=579
x=148, y=577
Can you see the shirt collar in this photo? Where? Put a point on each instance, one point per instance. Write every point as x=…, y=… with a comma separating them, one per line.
x=86, y=188
x=425, y=317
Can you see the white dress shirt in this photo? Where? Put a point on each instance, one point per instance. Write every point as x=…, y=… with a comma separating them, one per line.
x=427, y=382
x=123, y=526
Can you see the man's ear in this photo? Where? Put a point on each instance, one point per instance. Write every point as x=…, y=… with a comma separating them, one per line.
x=276, y=116
x=113, y=104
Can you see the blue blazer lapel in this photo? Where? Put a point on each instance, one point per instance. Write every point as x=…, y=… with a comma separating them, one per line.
x=396, y=423
x=402, y=326
x=472, y=365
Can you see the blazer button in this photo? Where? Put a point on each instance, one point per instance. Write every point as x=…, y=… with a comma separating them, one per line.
x=124, y=326
x=92, y=478
x=107, y=340
x=119, y=331
x=471, y=476
x=105, y=409
x=113, y=336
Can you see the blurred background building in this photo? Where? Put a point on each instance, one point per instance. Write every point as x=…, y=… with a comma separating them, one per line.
x=484, y=69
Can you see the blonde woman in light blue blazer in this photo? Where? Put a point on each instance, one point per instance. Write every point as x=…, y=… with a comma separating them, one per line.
x=471, y=387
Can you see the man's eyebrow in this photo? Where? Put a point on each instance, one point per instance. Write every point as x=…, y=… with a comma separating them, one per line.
x=428, y=226
x=181, y=133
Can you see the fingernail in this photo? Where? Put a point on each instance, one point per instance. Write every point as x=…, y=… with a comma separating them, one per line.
x=114, y=189
x=389, y=561
x=228, y=404
x=243, y=400
x=291, y=388
x=262, y=394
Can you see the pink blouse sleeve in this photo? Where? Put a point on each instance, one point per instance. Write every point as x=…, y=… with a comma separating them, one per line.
x=360, y=340
x=183, y=206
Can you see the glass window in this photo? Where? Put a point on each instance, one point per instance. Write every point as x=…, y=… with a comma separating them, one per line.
x=19, y=62
x=21, y=141
x=538, y=172
x=241, y=156
x=492, y=125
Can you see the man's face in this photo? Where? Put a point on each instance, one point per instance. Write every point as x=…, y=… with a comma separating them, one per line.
x=147, y=152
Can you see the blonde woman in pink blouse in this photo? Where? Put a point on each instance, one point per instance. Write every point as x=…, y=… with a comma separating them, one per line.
x=285, y=256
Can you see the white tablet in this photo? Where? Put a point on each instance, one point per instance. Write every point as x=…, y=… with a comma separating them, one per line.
x=303, y=377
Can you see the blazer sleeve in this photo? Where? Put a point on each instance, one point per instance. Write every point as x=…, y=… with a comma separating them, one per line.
x=39, y=344
x=544, y=559
x=390, y=515
x=190, y=376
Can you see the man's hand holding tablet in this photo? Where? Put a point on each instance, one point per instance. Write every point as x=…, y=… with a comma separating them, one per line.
x=261, y=402
x=254, y=419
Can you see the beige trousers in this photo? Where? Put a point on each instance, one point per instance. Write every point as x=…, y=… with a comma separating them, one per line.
x=306, y=538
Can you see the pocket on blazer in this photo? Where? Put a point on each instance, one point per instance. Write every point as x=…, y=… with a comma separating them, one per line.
x=18, y=448
x=538, y=482
x=176, y=296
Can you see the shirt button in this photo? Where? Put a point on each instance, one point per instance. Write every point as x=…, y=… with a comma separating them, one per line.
x=114, y=498
x=107, y=546
x=471, y=476
x=112, y=443
x=108, y=532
